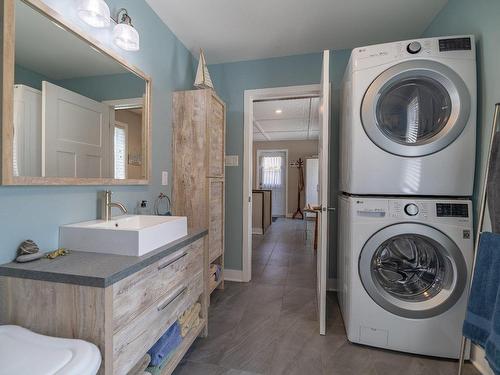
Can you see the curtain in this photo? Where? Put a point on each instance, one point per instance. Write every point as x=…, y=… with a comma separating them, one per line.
x=120, y=153
x=272, y=172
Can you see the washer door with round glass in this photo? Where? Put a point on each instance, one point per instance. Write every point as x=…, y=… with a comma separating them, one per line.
x=413, y=270
x=415, y=108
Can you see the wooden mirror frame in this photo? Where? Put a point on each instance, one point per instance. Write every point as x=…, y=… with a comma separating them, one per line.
x=7, y=51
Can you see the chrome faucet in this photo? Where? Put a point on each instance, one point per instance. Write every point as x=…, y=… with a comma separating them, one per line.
x=107, y=205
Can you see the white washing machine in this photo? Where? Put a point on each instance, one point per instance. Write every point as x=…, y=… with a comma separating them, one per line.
x=408, y=122
x=403, y=269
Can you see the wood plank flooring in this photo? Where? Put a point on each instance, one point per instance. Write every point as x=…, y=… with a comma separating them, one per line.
x=269, y=326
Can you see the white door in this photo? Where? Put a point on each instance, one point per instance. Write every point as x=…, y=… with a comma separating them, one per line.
x=272, y=176
x=324, y=126
x=312, y=186
x=75, y=134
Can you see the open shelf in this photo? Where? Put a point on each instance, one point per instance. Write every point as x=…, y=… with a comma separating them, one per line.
x=183, y=348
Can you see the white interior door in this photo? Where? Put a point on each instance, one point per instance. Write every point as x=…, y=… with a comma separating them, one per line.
x=324, y=126
x=75, y=134
x=272, y=176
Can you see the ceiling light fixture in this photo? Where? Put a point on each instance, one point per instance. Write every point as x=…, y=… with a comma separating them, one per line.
x=278, y=111
x=125, y=35
x=94, y=12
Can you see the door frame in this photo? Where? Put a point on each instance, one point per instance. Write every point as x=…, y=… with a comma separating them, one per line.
x=257, y=174
x=249, y=97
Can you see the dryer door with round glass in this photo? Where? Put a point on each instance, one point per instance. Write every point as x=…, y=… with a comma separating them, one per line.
x=413, y=270
x=416, y=108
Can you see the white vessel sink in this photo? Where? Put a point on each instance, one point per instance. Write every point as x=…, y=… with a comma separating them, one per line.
x=133, y=235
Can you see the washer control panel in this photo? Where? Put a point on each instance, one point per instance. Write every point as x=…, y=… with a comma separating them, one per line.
x=456, y=212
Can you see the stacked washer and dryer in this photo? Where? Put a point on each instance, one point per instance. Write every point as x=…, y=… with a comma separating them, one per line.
x=408, y=136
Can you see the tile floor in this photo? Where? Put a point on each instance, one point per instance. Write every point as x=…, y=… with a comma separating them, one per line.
x=269, y=326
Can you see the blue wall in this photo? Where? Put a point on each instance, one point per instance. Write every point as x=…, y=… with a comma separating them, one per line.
x=231, y=80
x=23, y=76
x=481, y=18
x=37, y=212
x=99, y=88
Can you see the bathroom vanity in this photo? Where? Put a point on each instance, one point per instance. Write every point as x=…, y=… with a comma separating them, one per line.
x=122, y=304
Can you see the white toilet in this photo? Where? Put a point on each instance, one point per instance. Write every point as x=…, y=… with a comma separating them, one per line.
x=26, y=352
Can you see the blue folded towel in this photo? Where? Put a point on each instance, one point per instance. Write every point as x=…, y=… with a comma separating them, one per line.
x=166, y=344
x=482, y=321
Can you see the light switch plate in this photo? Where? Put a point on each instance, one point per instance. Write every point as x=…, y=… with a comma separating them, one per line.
x=232, y=160
x=164, y=178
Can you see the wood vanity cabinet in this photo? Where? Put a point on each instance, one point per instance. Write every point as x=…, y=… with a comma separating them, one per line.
x=124, y=319
x=199, y=127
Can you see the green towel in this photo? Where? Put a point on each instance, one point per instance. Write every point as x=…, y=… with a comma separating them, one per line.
x=157, y=370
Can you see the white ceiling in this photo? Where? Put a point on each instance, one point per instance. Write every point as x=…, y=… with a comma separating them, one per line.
x=45, y=48
x=236, y=30
x=298, y=120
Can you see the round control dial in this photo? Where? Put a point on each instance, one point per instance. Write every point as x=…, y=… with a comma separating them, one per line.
x=414, y=47
x=411, y=209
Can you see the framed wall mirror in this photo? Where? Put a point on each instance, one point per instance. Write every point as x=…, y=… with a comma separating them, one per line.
x=73, y=111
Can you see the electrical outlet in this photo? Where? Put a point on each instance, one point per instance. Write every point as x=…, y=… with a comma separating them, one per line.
x=164, y=178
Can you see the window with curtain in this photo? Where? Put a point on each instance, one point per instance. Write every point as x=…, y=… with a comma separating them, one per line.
x=120, y=152
x=272, y=172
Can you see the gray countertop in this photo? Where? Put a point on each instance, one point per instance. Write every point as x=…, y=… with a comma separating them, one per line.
x=93, y=269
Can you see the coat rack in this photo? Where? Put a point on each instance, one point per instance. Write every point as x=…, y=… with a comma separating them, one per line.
x=300, y=166
x=484, y=187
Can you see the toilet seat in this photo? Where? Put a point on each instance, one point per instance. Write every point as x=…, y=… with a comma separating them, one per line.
x=25, y=352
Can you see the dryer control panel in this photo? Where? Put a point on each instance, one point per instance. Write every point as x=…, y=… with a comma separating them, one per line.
x=456, y=47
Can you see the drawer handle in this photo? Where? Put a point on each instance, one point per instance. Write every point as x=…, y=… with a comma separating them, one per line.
x=172, y=298
x=173, y=260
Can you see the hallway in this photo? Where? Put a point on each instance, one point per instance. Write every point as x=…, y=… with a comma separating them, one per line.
x=269, y=326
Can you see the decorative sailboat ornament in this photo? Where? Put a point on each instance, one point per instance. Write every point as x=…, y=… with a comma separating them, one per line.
x=202, y=80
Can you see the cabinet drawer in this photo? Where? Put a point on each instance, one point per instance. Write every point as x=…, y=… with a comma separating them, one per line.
x=216, y=218
x=130, y=344
x=137, y=292
x=216, y=135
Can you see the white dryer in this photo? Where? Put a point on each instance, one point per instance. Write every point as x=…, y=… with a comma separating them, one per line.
x=403, y=269
x=408, y=123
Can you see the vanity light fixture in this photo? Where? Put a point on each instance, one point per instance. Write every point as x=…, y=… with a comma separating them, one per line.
x=125, y=35
x=94, y=12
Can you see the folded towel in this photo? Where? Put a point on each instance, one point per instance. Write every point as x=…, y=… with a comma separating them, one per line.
x=192, y=320
x=140, y=366
x=493, y=184
x=187, y=314
x=158, y=369
x=482, y=321
x=166, y=344
x=492, y=347
x=217, y=270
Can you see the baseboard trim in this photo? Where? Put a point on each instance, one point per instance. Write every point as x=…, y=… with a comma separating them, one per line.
x=257, y=231
x=331, y=285
x=233, y=275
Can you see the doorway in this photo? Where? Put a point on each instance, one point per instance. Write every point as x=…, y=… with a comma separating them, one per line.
x=251, y=134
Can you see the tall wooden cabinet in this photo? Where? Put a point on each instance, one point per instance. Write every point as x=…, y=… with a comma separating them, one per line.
x=199, y=130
